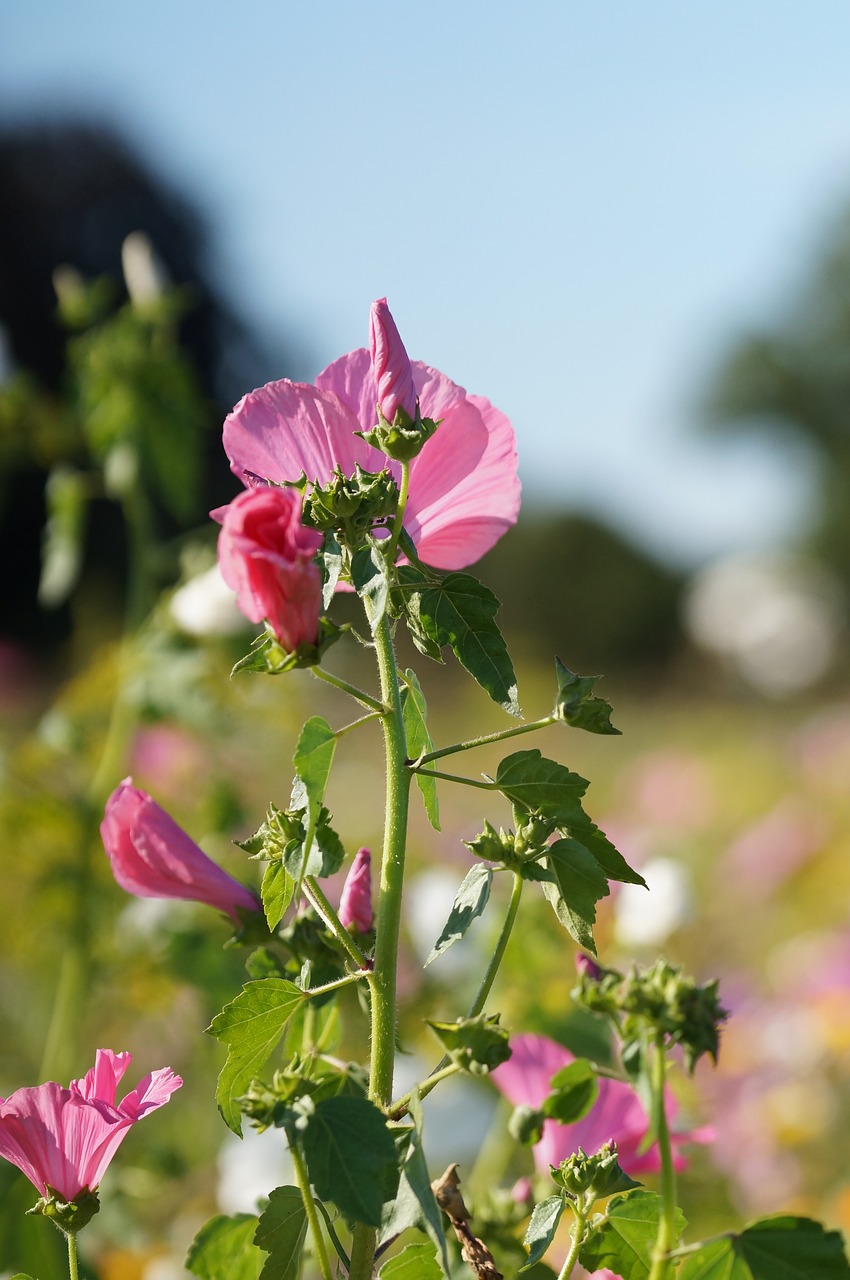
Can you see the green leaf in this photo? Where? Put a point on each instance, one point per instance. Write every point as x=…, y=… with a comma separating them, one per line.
x=280, y=1233
x=415, y=710
x=330, y=562
x=610, y=859
x=478, y=1044
x=20, y=1276
x=471, y=900
x=369, y=578
x=314, y=756
x=776, y=1248
x=251, y=1027
x=460, y=611
x=578, y=886
x=540, y=785
x=350, y=1156
x=624, y=1240
x=576, y=705
x=224, y=1249
x=276, y=892
x=415, y=1262
x=575, y=1088
x=415, y=1204
x=542, y=1227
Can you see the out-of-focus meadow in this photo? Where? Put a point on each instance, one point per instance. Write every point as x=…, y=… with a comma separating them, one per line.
x=727, y=789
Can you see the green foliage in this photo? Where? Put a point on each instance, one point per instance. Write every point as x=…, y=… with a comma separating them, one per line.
x=370, y=581
x=576, y=705
x=280, y=1233
x=415, y=712
x=624, y=1239
x=350, y=1154
x=415, y=1262
x=224, y=1249
x=593, y=1177
x=777, y=1248
x=314, y=756
x=459, y=611
x=478, y=1044
x=251, y=1026
x=414, y=1204
x=277, y=891
x=541, y=1229
x=575, y=1088
x=578, y=885
x=471, y=899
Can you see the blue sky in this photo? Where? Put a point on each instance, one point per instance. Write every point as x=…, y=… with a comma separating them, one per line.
x=572, y=206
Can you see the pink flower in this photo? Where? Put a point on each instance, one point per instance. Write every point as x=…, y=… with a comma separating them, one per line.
x=355, y=904
x=266, y=556
x=390, y=364
x=464, y=490
x=616, y=1115
x=154, y=858
x=64, y=1138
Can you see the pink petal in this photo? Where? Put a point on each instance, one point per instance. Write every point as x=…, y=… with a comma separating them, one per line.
x=101, y=1081
x=152, y=1091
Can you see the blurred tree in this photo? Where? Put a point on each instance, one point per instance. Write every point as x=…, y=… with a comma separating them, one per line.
x=793, y=381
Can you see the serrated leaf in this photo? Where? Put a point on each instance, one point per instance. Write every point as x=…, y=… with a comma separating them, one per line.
x=576, y=705
x=415, y=1262
x=350, y=1156
x=415, y=1204
x=459, y=611
x=784, y=1247
x=268, y=655
x=251, y=1026
x=224, y=1249
x=579, y=884
x=470, y=901
x=314, y=756
x=575, y=1088
x=540, y=785
x=542, y=1227
x=610, y=859
x=276, y=892
x=369, y=578
x=408, y=600
x=477, y=1045
x=415, y=711
x=280, y=1233
x=624, y=1239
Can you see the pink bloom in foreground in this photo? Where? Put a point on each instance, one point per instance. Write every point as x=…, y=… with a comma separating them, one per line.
x=390, y=364
x=616, y=1115
x=464, y=489
x=266, y=556
x=355, y=904
x=65, y=1138
x=154, y=858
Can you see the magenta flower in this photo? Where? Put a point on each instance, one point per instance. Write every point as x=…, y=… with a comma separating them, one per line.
x=617, y=1115
x=266, y=556
x=154, y=858
x=355, y=904
x=63, y=1139
x=390, y=364
x=464, y=490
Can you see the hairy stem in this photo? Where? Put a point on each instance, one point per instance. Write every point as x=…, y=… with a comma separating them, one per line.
x=315, y=896
x=399, y=515
x=576, y=1241
x=365, y=699
x=72, y=1256
x=668, y=1235
x=303, y=1180
x=470, y=743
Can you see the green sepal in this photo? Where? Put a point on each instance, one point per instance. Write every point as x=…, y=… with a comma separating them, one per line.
x=403, y=438
x=477, y=1045
x=594, y=1177
x=459, y=611
x=268, y=656
x=575, y=704
x=575, y=1089
x=350, y=1154
x=787, y=1246
x=251, y=1026
x=351, y=504
x=541, y=1229
x=224, y=1249
x=471, y=899
x=415, y=712
x=623, y=1240
x=526, y=1125
x=578, y=885
x=280, y=1233
x=415, y=1262
x=70, y=1216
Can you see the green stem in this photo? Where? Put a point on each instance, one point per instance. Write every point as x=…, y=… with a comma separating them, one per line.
x=392, y=545
x=668, y=1235
x=576, y=1241
x=336, y=984
x=365, y=699
x=496, y=958
x=399, y=1108
x=355, y=724
x=72, y=1256
x=388, y=918
x=301, y=1177
x=454, y=777
x=471, y=743
x=314, y=895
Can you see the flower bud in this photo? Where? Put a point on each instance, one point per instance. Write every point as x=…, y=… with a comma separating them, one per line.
x=587, y=967
x=355, y=905
x=390, y=364
x=266, y=557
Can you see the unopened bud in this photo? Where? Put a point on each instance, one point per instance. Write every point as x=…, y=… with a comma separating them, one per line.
x=390, y=364
x=355, y=905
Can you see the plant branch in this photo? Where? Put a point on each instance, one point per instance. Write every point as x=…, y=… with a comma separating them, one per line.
x=365, y=699
x=315, y=896
x=470, y=743
x=301, y=1177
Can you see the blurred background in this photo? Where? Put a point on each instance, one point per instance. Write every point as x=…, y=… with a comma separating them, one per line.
x=629, y=229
